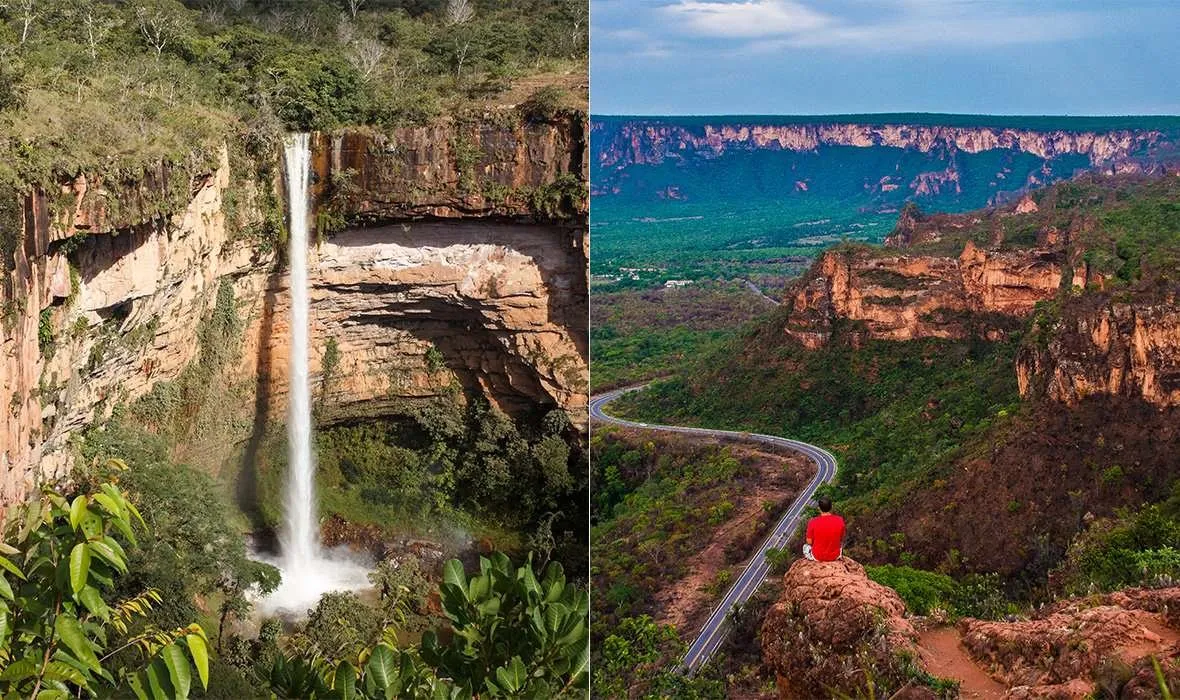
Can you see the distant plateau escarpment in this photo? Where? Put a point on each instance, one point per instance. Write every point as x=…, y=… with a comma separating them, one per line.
x=866, y=163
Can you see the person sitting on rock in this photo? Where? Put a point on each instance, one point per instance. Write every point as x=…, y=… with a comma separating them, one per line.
x=825, y=533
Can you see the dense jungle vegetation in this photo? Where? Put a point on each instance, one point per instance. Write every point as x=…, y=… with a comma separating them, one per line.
x=116, y=85
x=75, y=620
x=453, y=471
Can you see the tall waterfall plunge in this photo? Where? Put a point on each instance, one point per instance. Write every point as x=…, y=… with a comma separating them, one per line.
x=300, y=539
x=308, y=570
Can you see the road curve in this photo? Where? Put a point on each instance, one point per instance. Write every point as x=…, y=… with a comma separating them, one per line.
x=756, y=570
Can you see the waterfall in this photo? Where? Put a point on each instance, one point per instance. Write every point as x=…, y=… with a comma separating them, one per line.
x=300, y=537
x=308, y=570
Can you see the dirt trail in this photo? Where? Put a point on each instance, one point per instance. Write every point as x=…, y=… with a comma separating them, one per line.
x=946, y=658
x=687, y=604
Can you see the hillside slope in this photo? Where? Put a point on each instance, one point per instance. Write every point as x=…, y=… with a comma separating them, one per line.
x=988, y=380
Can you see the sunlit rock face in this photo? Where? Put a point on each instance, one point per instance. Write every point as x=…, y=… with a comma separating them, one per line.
x=644, y=141
x=902, y=297
x=453, y=284
x=1101, y=346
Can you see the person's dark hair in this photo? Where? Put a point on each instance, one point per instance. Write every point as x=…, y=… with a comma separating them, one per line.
x=825, y=504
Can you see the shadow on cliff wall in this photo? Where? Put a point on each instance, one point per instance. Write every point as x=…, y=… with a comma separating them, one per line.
x=246, y=488
x=557, y=250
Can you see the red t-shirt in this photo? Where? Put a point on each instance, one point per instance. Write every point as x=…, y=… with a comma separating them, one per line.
x=825, y=533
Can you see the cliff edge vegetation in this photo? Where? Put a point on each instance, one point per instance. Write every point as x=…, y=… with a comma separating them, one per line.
x=117, y=87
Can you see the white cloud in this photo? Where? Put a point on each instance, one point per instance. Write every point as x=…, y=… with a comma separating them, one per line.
x=761, y=26
x=744, y=20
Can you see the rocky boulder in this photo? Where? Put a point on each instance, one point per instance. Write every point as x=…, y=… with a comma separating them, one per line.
x=1071, y=648
x=835, y=631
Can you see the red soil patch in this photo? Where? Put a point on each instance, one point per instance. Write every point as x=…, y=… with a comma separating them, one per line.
x=945, y=657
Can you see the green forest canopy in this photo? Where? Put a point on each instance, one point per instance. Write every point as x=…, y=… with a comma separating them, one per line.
x=117, y=85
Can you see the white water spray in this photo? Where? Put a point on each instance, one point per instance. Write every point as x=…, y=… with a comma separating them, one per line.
x=308, y=571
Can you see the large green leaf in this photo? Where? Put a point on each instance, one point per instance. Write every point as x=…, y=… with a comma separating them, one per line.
x=79, y=567
x=530, y=580
x=382, y=667
x=5, y=563
x=69, y=630
x=93, y=601
x=139, y=686
x=512, y=677
x=200, y=653
x=554, y=615
x=453, y=574
x=124, y=528
x=109, y=555
x=344, y=681
x=178, y=669
x=581, y=663
x=77, y=510
x=91, y=525
x=110, y=505
x=5, y=588
x=19, y=670
x=61, y=671
x=159, y=687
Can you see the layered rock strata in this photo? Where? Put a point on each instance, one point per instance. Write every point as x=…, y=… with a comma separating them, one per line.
x=466, y=287
x=1104, y=346
x=902, y=297
x=651, y=142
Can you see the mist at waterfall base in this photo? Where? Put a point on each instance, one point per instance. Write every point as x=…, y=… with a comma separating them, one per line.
x=308, y=569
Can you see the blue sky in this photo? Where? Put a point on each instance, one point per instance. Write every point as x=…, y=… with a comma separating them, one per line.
x=842, y=56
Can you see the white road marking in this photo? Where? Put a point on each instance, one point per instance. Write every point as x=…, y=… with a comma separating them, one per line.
x=756, y=570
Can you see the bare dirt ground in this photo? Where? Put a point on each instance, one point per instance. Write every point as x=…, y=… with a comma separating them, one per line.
x=781, y=474
x=573, y=79
x=946, y=658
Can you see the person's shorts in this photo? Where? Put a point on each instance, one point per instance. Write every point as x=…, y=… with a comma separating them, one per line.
x=811, y=557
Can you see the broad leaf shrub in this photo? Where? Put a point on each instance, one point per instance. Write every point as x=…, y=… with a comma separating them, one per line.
x=1133, y=548
x=512, y=635
x=61, y=632
x=926, y=592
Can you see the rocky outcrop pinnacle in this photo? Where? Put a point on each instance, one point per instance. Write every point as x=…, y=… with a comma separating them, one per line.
x=832, y=623
x=834, y=629
x=1074, y=646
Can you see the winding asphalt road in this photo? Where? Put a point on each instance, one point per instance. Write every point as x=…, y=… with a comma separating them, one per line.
x=756, y=570
x=758, y=290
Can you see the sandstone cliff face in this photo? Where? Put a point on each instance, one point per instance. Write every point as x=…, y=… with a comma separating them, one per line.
x=640, y=142
x=416, y=308
x=902, y=297
x=1102, y=346
x=453, y=169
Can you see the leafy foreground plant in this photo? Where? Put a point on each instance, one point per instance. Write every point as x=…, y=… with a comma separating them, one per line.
x=59, y=637
x=512, y=636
